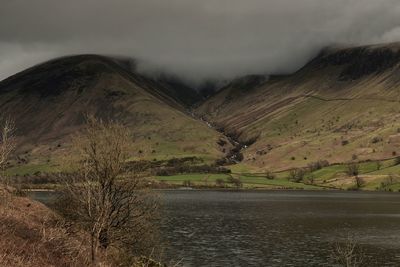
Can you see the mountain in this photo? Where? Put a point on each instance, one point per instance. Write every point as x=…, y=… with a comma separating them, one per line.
x=341, y=106
x=49, y=102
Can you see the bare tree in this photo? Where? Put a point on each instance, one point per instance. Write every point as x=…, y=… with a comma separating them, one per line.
x=235, y=181
x=297, y=175
x=104, y=197
x=359, y=182
x=348, y=254
x=353, y=169
x=7, y=145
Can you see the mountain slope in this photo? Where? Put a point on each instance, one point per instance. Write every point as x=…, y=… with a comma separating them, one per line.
x=343, y=105
x=49, y=102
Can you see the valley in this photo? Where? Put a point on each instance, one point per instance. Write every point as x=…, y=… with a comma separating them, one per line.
x=341, y=108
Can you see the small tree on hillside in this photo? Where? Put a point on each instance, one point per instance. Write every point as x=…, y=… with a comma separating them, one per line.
x=7, y=145
x=378, y=165
x=235, y=181
x=103, y=197
x=297, y=175
x=353, y=169
x=359, y=182
x=270, y=175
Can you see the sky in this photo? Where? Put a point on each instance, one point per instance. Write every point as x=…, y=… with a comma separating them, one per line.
x=194, y=39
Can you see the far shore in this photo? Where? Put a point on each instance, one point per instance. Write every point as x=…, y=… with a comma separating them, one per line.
x=237, y=189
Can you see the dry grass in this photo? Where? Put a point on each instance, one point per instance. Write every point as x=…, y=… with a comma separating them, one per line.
x=32, y=235
x=312, y=114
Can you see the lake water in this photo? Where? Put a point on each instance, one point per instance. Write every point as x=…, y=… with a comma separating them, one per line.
x=276, y=228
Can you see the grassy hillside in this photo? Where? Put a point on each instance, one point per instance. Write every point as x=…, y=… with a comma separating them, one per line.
x=49, y=102
x=342, y=106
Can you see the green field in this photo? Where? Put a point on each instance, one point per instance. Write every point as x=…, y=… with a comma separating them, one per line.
x=29, y=169
x=330, y=177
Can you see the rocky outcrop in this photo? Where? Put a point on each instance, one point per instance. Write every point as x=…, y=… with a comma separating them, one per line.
x=359, y=61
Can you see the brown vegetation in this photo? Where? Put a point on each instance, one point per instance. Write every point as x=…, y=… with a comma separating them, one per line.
x=353, y=169
x=297, y=175
x=348, y=254
x=32, y=235
x=106, y=200
x=7, y=145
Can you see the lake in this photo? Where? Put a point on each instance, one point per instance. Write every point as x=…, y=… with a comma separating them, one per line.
x=276, y=228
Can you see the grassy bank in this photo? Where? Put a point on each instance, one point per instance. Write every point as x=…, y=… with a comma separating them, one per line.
x=375, y=175
x=33, y=235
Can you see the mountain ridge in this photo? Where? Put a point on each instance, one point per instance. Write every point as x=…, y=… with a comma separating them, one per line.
x=291, y=116
x=49, y=101
x=335, y=98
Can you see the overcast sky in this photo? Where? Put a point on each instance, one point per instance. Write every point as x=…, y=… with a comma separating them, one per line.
x=196, y=39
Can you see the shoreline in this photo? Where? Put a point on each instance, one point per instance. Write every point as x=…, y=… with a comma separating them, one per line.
x=241, y=190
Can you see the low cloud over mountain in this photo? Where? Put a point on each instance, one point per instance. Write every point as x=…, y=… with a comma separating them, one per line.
x=194, y=39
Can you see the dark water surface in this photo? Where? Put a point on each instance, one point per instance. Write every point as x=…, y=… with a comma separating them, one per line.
x=276, y=228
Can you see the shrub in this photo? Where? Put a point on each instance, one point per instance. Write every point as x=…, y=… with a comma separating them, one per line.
x=297, y=175
x=359, y=182
x=220, y=182
x=353, y=169
x=235, y=181
x=378, y=165
x=388, y=181
x=314, y=166
x=348, y=254
x=345, y=142
x=187, y=183
x=376, y=139
x=239, y=157
x=310, y=179
x=270, y=175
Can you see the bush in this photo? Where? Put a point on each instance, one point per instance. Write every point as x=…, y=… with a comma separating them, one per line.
x=220, y=182
x=376, y=139
x=348, y=254
x=310, y=179
x=359, y=182
x=235, y=181
x=387, y=182
x=187, y=183
x=378, y=165
x=296, y=175
x=345, y=142
x=314, y=166
x=353, y=169
x=270, y=175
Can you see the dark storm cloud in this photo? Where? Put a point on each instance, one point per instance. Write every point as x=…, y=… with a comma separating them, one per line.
x=192, y=38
